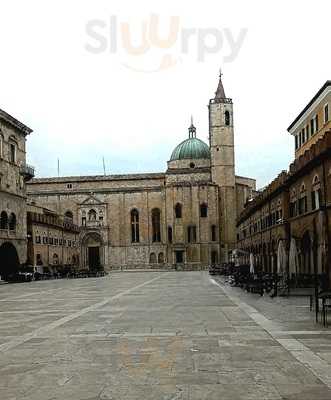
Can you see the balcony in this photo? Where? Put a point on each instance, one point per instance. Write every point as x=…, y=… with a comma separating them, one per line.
x=27, y=172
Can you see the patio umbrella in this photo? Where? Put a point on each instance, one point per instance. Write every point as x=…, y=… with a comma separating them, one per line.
x=281, y=258
x=251, y=263
x=293, y=259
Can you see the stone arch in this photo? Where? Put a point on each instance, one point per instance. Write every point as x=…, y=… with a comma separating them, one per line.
x=9, y=261
x=152, y=258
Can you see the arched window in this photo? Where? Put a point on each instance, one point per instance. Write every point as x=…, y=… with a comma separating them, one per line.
x=160, y=258
x=156, y=225
x=69, y=215
x=203, y=210
x=227, y=118
x=3, y=220
x=152, y=258
x=92, y=215
x=178, y=210
x=169, y=234
x=12, y=222
x=134, y=226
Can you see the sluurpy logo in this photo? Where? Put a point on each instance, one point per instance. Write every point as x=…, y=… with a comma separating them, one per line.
x=145, y=49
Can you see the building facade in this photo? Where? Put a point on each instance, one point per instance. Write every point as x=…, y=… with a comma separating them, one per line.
x=293, y=212
x=184, y=217
x=313, y=121
x=53, y=240
x=14, y=173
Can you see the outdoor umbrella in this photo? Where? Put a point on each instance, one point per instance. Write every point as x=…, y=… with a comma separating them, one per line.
x=293, y=259
x=251, y=263
x=281, y=258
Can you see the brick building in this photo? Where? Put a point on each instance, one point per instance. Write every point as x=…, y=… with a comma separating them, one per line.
x=53, y=240
x=293, y=212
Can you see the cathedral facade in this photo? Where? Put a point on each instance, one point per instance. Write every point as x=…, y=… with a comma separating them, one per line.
x=183, y=217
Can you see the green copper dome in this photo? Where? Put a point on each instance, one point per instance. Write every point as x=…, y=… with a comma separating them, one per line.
x=191, y=148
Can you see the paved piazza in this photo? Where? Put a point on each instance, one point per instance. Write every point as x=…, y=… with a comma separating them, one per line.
x=158, y=335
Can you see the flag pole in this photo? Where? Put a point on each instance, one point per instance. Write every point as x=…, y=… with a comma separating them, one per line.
x=104, y=166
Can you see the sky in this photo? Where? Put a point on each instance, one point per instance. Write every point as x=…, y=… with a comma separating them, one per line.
x=120, y=80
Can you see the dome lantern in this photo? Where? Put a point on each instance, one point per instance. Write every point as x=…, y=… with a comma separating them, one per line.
x=192, y=131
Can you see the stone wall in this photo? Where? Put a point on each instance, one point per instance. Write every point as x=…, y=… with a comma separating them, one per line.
x=12, y=185
x=116, y=205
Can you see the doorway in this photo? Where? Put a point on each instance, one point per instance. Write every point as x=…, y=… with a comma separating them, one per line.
x=93, y=257
x=179, y=255
x=9, y=261
x=214, y=257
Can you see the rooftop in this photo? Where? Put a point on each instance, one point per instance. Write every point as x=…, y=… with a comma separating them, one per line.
x=326, y=85
x=15, y=123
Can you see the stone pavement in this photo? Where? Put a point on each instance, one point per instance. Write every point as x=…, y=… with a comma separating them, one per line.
x=158, y=336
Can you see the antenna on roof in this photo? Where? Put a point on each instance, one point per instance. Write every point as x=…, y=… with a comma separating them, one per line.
x=104, y=166
x=58, y=167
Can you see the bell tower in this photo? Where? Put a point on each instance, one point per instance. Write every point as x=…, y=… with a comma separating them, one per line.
x=221, y=141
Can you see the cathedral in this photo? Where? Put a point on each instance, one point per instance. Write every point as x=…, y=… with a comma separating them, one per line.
x=184, y=217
